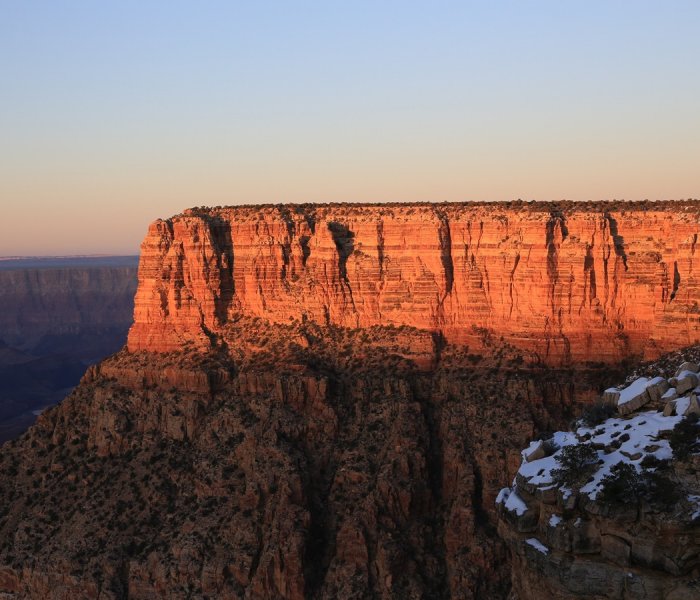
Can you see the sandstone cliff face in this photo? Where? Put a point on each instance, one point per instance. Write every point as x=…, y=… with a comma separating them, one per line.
x=565, y=284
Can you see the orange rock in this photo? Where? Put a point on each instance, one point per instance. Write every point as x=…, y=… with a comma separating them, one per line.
x=595, y=283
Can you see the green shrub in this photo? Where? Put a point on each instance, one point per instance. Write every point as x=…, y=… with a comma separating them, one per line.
x=651, y=462
x=622, y=486
x=684, y=437
x=578, y=462
x=659, y=490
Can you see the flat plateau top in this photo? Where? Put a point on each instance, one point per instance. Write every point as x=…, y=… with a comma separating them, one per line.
x=533, y=206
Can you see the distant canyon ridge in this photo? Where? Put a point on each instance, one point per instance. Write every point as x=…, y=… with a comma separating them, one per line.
x=57, y=316
x=564, y=282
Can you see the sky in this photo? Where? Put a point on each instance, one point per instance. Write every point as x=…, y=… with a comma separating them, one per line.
x=115, y=113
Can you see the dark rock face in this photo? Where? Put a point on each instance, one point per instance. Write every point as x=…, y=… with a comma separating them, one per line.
x=313, y=463
x=57, y=316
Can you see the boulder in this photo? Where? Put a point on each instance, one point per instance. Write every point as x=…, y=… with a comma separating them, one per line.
x=534, y=452
x=685, y=382
x=640, y=392
x=670, y=408
x=611, y=396
x=694, y=407
x=657, y=390
x=669, y=394
x=687, y=366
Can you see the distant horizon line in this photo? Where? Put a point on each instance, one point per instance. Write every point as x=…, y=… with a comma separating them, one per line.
x=62, y=256
x=536, y=205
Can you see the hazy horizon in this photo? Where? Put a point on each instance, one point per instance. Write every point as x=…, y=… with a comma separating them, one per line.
x=114, y=115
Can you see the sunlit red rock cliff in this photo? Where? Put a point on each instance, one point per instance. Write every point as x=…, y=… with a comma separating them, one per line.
x=566, y=283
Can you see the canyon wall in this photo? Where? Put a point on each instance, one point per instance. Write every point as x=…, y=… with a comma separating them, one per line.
x=57, y=315
x=80, y=297
x=334, y=469
x=374, y=372
x=565, y=283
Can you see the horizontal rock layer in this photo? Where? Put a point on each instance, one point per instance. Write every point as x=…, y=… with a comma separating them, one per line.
x=39, y=305
x=564, y=283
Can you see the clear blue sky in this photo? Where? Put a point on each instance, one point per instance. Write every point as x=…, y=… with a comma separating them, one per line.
x=115, y=113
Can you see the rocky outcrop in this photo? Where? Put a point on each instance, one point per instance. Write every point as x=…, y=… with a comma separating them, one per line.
x=611, y=510
x=565, y=283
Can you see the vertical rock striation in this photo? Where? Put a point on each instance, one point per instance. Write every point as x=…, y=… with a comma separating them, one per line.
x=564, y=282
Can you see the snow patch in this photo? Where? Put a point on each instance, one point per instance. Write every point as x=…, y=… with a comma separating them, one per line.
x=539, y=472
x=537, y=545
x=636, y=388
x=516, y=504
x=631, y=435
x=644, y=429
x=502, y=495
x=511, y=501
x=554, y=520
x=682, y=405
x=695, y=501
x=669, y=394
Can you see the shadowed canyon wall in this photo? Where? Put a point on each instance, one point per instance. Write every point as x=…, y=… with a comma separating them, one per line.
x=331, y=469
x=57, y=316
x=565, y=283
x=39, y=303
